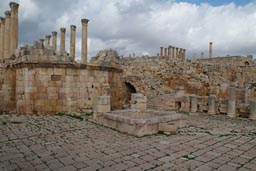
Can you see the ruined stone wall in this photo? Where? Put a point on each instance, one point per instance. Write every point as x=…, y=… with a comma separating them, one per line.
x=62, y=88
x=7, y=89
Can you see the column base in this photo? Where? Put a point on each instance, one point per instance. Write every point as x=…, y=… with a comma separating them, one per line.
x=231, y=115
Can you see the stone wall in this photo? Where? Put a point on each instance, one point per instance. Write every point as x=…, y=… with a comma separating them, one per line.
x=64, y=88
x=7, y=89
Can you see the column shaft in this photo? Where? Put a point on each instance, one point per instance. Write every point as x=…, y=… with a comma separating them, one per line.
x=169, y=53
x=165, y=52
x=184, y=54
x=211, y=104
x=193, y=100
x=47, y=41
x=202, y=55
x=72, y=42
x=7, y=35
x=177, y=53
x=173, y=52
x=161, y=52
x=14, y=27
x=2, y=39
x=210, y=50
x=84, y=40
x=62, y=40
x=232, y=102
x=54, y=41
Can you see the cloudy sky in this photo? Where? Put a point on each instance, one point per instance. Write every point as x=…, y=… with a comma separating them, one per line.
x=142, y=26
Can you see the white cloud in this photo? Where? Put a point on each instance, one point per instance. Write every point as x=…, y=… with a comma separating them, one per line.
x=142, y=26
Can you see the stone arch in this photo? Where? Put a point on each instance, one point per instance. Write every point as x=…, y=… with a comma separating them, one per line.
x=129, y=90
x=246, y=63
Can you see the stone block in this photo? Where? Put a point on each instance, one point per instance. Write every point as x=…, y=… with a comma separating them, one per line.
x=103, y=100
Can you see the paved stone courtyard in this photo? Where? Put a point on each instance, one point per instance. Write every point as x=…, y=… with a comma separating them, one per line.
x=68, y=143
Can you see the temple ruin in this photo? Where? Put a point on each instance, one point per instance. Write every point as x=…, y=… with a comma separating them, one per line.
x=40, y=79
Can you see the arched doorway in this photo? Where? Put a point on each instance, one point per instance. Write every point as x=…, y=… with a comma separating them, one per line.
x=129, y=90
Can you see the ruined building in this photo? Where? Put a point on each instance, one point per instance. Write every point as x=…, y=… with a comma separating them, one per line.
x=40, y=79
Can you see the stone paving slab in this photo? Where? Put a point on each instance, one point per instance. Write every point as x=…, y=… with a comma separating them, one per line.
x=66, y=143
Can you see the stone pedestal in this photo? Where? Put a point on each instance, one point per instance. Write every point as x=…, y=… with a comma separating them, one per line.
x=72, y=42
x=138, y=102
x=252, y=110
x=54, y=41
x=193, y=99
x=62, y=40
x=84, y=40
x=102, y=106
x=232, y=102
x=211, y=104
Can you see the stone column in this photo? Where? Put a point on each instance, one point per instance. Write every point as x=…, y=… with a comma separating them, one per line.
x=165, y=52
x=54, y=41
x=194, y=57
x=211, y=104
x=14, y=27
x=232, y=102
x=62, y=40
x=41, y=43
x=161, y=52
x=169, y=53
x=173, y=51
x=252, y=110
x=84, y=40
x=2, y=39
x=7, y=34
x=210, y=50
x=184, y=54
x=47, y=41
x=202, y=55
x=180, y=54
x=186, y=101
x=72, y=42
x=193, y=99
x=177, y=53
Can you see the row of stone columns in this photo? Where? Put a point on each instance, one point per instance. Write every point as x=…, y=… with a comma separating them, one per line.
x=191, y=104
x=172, y=53
x=72, y=41
x=9, y=32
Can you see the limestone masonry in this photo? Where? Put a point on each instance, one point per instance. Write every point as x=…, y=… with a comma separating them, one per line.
x=40, y=79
